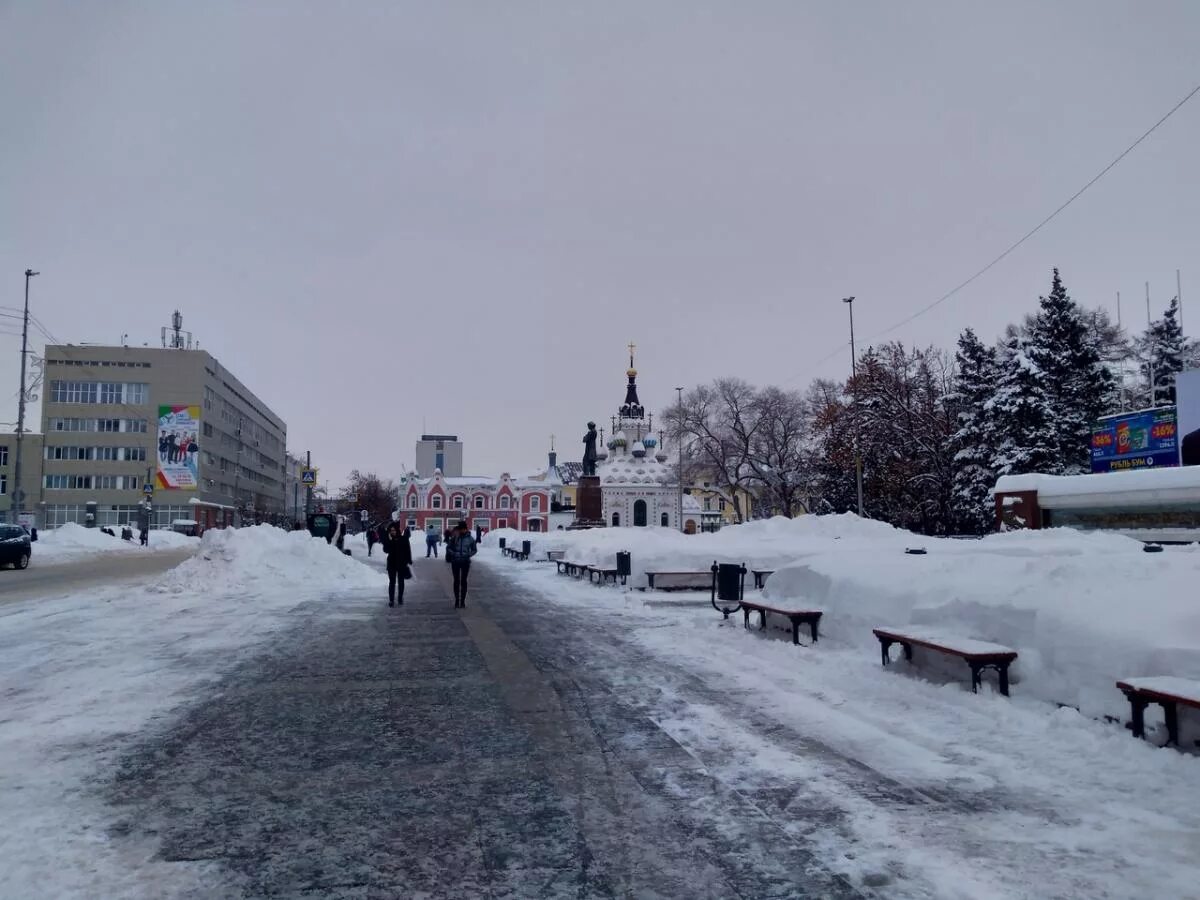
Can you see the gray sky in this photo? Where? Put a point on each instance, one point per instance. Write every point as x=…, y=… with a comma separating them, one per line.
x=379, y=215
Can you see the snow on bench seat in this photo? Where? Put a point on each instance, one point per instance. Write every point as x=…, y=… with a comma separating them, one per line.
x=979, y=655
x=1168, y=691
x=679, y=581
x=796, y=613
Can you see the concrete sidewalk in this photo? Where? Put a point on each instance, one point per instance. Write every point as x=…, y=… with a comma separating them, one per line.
x=429, y=752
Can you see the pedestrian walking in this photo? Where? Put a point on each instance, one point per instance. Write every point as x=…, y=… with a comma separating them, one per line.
x=459, y=550
x=372, y=537
x=398, y=548
x=431, y=542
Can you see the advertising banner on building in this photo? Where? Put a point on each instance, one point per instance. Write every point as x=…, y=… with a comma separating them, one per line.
x=179, y=447
x=1187, y=401
x=1140, y=440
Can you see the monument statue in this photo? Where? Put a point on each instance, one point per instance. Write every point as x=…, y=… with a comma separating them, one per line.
x=589, y=450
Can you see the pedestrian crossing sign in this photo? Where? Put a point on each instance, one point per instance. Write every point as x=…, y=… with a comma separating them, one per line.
x=308, y=476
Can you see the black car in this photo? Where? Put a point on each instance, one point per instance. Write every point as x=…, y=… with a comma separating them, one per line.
x=15, y=546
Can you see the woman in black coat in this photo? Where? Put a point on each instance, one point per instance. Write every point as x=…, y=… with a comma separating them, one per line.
x=399, y=557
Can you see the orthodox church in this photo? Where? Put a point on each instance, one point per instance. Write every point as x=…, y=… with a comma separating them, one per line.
x=638, y=480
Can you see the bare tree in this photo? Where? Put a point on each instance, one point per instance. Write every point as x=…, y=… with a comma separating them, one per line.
x=779, y=450
x=366, y=490
x=716, y=427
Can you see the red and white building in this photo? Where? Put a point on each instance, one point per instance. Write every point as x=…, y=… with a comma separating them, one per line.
x=441, y=502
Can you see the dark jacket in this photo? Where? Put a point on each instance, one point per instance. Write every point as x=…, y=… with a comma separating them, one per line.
x=460, y=547
x=398, y=550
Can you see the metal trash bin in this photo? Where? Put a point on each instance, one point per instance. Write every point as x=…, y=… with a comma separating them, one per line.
x=624, y=565
x=728, y=586
x=526, y=548
x=503, y=543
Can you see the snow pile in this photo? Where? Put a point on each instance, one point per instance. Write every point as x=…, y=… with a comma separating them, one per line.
x=261, y=559
x=72, y=541
x=764, y=544
x=1082, y=610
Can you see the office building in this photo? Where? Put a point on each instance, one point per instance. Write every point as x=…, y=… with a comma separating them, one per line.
x=123, y=423
x=439, y=452
x=31, y=474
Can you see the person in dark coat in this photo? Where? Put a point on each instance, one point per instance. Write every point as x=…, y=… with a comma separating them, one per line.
x=459, y=550
x=399, y=557
x=372, y=537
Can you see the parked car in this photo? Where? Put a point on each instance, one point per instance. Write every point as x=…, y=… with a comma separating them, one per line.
x=15, y=546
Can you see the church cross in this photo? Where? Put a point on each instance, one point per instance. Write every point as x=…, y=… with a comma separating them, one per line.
x=632, y=347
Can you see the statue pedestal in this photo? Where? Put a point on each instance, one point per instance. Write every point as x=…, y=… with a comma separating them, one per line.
x=589, y=503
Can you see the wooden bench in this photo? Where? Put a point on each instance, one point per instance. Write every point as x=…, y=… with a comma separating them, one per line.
x=679, y=581
x=761, y=576
x=796, y=617
x=567, y=567
x=555, y=555
x=979, y=655
x=1167, y=691
x=602, y=573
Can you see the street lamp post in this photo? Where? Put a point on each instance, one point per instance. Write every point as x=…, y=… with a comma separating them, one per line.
x=858, y=484
x=18, y=499
x=679, y=450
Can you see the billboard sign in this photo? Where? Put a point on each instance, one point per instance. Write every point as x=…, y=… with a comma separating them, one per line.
x=1140, y=440
x=1187, y=396
x=178, y=447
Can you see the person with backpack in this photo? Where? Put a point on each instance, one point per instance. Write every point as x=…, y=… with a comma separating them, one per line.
x=459, y=550
x=396, y=545
x=431, y=542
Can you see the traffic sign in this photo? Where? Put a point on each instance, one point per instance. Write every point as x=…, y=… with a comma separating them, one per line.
x=148, y=490
x=308, y=476
x=362, y=514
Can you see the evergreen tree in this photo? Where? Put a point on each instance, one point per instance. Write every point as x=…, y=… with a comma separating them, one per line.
x=974, y=439
x=1079, y=387
x=1161, y=350
x=1022, y=414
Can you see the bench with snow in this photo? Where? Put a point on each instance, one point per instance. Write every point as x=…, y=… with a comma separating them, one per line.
x=796, y=616
x=979, y=655
x=1167, y=691
x=761, y=576
x=567, y=567
x=679, y=581
x=555, y=555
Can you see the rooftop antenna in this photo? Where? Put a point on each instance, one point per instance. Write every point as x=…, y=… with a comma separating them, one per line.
x=178, y=339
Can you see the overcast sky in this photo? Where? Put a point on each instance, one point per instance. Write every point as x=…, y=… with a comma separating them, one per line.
x=384, y=217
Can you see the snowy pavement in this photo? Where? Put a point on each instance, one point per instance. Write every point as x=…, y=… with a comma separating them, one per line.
x=920, y=788
x=288, y=734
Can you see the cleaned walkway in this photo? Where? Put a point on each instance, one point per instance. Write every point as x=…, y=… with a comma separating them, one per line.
x=429, y=752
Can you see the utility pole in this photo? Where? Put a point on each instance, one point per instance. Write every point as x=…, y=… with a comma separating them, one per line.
x=1122, y=359
x=237, y=477
x=308, y=489
x=1179, y=296
x=849, y=301
x=18, y=498
x=679, y=450
x=1150, y=351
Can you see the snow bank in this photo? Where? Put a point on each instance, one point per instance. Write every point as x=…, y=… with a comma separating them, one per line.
x=248, y=562
x=1082, y=609
x=72, y=541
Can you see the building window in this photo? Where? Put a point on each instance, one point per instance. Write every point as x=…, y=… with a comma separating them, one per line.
x=721, y=504
x=73, y=391
x=137, y=393
x=708, y=504
x=616, y=520
x=439, y=462
x=110, y=392
x=479, y=502
x=3, y=484
x=504, y=501
x=435, y=502
x=459, y=501
x=535, y=503
x=3, y=454
x=666, y=520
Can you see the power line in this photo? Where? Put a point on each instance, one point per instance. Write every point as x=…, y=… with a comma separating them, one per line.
x=1046, y=221
x=1025, y=237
